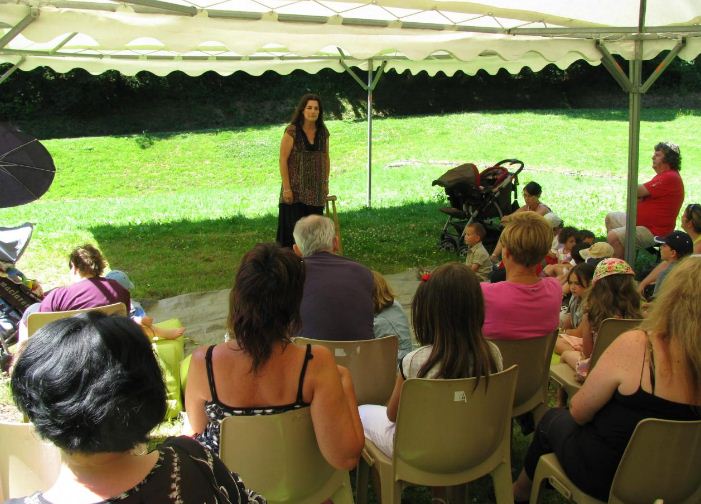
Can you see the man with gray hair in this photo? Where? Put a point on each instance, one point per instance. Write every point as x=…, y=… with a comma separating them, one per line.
x=337, y=303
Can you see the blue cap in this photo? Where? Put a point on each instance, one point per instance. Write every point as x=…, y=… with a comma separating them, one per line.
x=121, y=278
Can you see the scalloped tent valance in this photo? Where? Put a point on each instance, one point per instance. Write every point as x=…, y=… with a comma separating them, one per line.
x=258, y=35
x=253, y=36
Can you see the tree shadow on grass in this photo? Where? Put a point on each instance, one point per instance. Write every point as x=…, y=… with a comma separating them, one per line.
x=166, y=259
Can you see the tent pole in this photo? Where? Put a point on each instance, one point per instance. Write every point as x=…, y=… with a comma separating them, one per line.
x=12, y=70
x=634, y=98
x=369, y=88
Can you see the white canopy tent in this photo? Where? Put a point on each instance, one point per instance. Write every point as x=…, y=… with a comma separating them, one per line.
x=225, y=36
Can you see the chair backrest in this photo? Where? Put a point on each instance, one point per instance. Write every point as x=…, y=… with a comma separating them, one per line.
x=27, y=463
x=372, y=365
x=449, y=432
x=37, y=320
x=278, y=457
x=661, y=461
x=532, y=356
x=609, y=330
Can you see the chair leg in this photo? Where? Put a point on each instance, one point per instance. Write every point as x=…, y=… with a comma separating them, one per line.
x=361, y=482
x=538, y=482
x=503, y=489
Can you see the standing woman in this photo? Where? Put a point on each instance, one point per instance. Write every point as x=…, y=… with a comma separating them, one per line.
x=304, y=167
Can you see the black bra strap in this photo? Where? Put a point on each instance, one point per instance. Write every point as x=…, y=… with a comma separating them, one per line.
x=210, y=374
x=307, y=357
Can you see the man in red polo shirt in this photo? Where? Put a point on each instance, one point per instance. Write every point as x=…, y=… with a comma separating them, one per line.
x=659, y=201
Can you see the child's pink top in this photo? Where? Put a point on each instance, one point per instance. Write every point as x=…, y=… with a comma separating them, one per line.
x=518, y=311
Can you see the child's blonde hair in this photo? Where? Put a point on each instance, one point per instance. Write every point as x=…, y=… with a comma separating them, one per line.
x=382, y=295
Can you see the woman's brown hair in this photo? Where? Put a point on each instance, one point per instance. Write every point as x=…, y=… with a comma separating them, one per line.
x=614, y=296
x=87, y=260
x=447, y=313
x=265, y=300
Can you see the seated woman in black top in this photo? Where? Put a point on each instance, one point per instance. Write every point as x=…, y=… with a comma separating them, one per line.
x=650, y=372
x=91, y=385
x=260, y=372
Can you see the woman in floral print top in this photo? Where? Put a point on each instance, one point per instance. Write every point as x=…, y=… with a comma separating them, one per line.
x=91, y=385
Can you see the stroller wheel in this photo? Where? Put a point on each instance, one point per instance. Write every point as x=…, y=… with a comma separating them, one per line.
x=462, y=251
x=448, y=244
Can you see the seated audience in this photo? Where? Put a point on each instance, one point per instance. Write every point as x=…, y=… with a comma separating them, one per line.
x=477, y=258
x=447, y=313
x=138, y=314
x=389, y=315
x=531, y=198
x=674, y=247
x=566, y=241
x=525, y=305
x=659, y=201
x=260, y=372
x=613, y=294
x=651, y=372
x=90, y=385
x=88, y=287
x=691, y=223
x=337, y=303
x=579, y=281
x=557, y=225
x=596, y=252
x=585, y=237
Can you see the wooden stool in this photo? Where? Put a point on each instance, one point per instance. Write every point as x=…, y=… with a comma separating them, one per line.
x=331, y=213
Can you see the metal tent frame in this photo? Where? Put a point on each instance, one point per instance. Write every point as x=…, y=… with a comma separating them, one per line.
x=254, y=36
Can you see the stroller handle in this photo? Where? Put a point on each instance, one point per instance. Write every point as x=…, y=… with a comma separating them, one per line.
x=512, y=162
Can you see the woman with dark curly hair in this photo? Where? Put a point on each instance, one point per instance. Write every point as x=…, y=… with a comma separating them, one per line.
x=304, y=167
x=91, y=385
x=260, y=372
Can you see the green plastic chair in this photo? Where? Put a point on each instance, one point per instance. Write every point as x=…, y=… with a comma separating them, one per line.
x=371, y=363
x=532, y=356
x=609, y=330
x=660, y=463
x=278, y=457
x=27, y=463
x=169, y=354
x=448, y=433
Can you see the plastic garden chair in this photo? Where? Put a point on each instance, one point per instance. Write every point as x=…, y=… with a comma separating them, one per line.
x=27, y=463
x=278, y=457
x=609, y=330
x=532, y=356
x=37, y=320
x=448, y=433
x=169, y=354
x=661, y=464
x=372, y=365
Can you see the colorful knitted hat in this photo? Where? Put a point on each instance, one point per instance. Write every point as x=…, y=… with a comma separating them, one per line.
x=611, y=266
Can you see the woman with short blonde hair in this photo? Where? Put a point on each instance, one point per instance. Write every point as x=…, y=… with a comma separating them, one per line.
x=525, y=305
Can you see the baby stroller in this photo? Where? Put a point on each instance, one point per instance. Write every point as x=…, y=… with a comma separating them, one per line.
x=478, y=197
x=16, y=291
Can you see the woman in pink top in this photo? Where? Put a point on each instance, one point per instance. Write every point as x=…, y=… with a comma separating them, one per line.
x=525, y=305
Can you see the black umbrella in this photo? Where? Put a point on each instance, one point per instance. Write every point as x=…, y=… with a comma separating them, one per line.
x=26, y=168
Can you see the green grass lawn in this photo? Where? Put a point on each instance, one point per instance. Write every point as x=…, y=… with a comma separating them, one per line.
x=177, y=211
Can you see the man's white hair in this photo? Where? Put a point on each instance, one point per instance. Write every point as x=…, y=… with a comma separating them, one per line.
x=314, y=233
